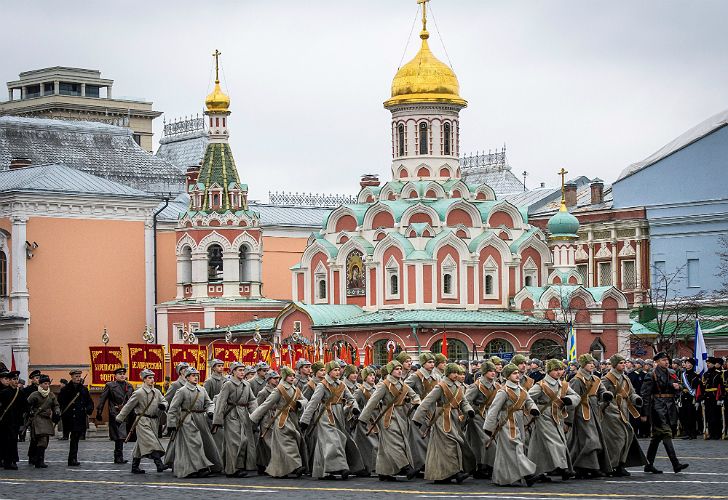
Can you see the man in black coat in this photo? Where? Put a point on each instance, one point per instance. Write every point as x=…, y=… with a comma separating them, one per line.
x=116, y=393
x=76, y=405
x=659, y=392
x=689, y=381
x=636, y=376
x=712, y=389
x=12, y=408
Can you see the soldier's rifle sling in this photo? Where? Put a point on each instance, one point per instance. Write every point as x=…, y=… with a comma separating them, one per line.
x=138, y=417
x=381, y=414
x=182, y=420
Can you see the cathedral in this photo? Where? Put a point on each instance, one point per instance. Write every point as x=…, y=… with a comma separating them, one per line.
x=427, y=257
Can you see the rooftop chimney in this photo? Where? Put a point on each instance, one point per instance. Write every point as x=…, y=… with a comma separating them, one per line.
x=18, y=163
x=597, y=191
x=191, y=176
x=369, y=180
x=570, y=194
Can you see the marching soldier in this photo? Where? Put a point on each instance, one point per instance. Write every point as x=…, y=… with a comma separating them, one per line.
x=587, y=448
x=351, y=377
x=422, y=381
x=406, y=360
x=116, y=393
x=368, y=442
x=498, y=362
x=624, y=450
x=232, y=412
x=213, y=384
x=283, y=434
x=318, y=371
x=522, y=362
x=146, y=404
x=44, y=412
x=548, y=447
x=689, y=416
x=335, y=453
x=76, y=406
x=177, y=384
x=440, y=363
x=712, y=386
x=272, y=380
x=303, y=367
x=33, y=382
x=259, y=381
x=12, y=408
x=445, y=409
x=480, y=395
x=393, y=454
x=659, y=390
x=195, y=451
x=505, y=422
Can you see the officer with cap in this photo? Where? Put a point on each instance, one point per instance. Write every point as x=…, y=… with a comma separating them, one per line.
x=116, y=393
x=258, y=382
x=303, y=373
x=45, y=412
x=12, y=407
x=689, y=380
x=33, y=381
x=713, y=386
x=76, y=406
x=213, y=383
x=659, y=391
x=146, y=404
x=177, y=384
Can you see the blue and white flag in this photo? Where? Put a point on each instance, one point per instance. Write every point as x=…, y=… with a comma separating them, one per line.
x=701, y=353
x=571, y=344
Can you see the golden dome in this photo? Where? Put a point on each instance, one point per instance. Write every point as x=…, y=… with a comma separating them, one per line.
x=218, y=100
x=425, y=79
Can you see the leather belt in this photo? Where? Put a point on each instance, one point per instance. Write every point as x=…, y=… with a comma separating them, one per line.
x=664, y=395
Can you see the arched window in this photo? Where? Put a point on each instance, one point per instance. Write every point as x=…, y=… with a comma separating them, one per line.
x=456, y=349
x=392, y=279
x=446, y=140
x=498, y=347
x=214, y=263
x=185, y=266
x=379, y=352
x=423, y=138
x=547, y=349
x=322, y=289
x=528, y=281
x=400, y=140
x=489, y=284
x=244, y=263
x=394, y=284
x=3, y=274
x=447, y=284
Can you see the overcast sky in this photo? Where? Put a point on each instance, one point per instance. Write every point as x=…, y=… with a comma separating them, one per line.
x=590, y=86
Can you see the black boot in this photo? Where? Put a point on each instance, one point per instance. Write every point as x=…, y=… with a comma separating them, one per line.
x=135, y=462
x=39, y=461
x=157, y=457
x=620, y=471
x=119, y=452
x=651, y=468
x=389, y=479
x=461, y=476
x=408, y=471
x=670, y=449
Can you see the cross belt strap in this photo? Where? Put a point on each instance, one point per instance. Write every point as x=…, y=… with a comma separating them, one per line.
x=427, y=384
x=622, y=396
x=290, y=404
x=336, y=395
x=489, y=396
x=399, y=396
x=557, y=406
x=452, y=403
x=591, y=390
x=518, y=402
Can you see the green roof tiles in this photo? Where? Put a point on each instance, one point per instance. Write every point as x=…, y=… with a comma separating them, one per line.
x=434, y=316
x=263, y=325
x=218, y=168
x=516, y=245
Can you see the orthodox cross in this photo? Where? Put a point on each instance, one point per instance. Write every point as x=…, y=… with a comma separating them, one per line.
x=563, y=173
x=217, y=55
x=424, y=13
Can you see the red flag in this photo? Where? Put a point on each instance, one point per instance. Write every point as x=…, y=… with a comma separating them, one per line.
x=390, y=353
x=355, y=357
x=368, y=355
x=443, y=350
x=12, y=360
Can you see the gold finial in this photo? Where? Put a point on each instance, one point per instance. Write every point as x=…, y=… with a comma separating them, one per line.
x=217, y=55
x=424, y=34
x=563, y=173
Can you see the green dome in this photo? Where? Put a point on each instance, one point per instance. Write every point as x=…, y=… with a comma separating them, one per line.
x=563, y=224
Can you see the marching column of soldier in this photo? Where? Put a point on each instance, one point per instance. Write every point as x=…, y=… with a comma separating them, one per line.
x=399, y=421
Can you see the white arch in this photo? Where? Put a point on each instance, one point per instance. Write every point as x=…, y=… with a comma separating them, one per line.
x=487, y=191
x=372, y=212
x=213, y=237
x=522, y=295
x=411, y=228
x=311, y=250
x=617, y=295
x=386, y=243
x=245, y=237
x=185, y=240
x=450, y=239
x=347, y=247
x=462, y=227
x=417, y=208
x=365, y=193
x=498, y=244
x=511, y=210
x=336, y=215
x=469, y=208
x=462, y=187
x=436, y=187
x=534, y=242
x=571, y=274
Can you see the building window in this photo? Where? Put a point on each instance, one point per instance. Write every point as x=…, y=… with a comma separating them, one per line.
x=400, y=140
x=447, y=284
x=530, y=273
x=194, y=326
x=380, y=354
x=605, y=274
x=185, y=268
x=583, y=270
x=446, y=140
x=528, y=281
x=629, y=277
x=423, y=138
x=456, y=349
x=93, y=90
x=3, y=274
x=448, y=278
x=179, y=331
x=321, y=289
x=137, y=138
x=214, y=263
x=48, y=88
x=66, y=88
x=490, y=279
x=499, y=347
x=392, y=279
x=394, y=285
x=321, y=283
x=244, y=263
x=547, y=349
x=693, y=269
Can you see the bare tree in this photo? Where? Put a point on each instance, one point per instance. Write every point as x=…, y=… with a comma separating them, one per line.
x=723, y=264
x=668, y=308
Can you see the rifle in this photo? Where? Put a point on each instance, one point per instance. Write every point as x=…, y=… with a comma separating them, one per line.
x=272, y=422
x=495, y=433
x=136, y=420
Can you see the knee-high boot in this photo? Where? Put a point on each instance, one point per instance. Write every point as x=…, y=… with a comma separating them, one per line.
x=119, y=452
x=670, y=449
x=651, y=454
x=135, y=469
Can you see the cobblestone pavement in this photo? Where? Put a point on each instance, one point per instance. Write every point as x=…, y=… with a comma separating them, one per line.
x=98, y=478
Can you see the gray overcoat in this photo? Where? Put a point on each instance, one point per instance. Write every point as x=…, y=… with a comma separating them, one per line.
x=116, y=394
x=234, y=404
x=587, y=447
x=480, y=394
x=368, y=445
x=619, y=435
x=422, y=382
x=144, y=402
x=42, y=410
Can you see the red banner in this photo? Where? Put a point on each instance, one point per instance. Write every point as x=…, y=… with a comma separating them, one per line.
x=104, y=360
x=143, y=356
x=194, y=354
x=227, y=353
x=253, y=353
x=292, y=353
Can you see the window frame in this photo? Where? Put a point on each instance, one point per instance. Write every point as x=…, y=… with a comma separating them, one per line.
x=401, y=140
x=321, y=275
x=693, y=278
x=449, y=267
x=623, y=265
x=600, y=273
x=447, y=139
x=392, y=270
x=490, y=269
x=423, y=131
x=222, y=264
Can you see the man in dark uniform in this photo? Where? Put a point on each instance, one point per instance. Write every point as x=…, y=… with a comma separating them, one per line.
x=76, y=405
x=689, y=380
x=636, y=376
x=33, y=381
x=116, y=393
x=723, y=396
x=12, y=408
x=712, y=389
x=659, y=390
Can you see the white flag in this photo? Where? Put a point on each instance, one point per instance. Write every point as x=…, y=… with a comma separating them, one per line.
x=701, y=353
